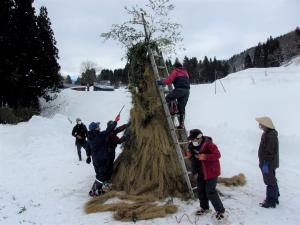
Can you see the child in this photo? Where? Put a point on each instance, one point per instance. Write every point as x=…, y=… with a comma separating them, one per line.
x=205, y=163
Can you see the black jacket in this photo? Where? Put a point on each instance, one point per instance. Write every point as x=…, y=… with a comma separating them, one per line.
x=269, y=148
x=97, y=147
x=80, y=129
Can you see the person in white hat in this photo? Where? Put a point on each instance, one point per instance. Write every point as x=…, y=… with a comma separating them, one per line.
x=268, y=154
x=80, y=133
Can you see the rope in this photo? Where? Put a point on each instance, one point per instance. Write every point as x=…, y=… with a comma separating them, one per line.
x=195, y=222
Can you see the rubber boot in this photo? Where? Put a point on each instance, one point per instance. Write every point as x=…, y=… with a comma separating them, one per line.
x=181, y=121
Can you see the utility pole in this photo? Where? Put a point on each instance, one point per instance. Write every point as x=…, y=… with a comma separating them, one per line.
x=215, y=82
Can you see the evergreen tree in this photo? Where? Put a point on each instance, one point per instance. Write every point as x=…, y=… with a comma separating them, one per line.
x=258, y=55
x=7, y=52
x=193, y=70
x=297, y=31
x=22, y=50
x=169, y=64
x=88, y=77
x=46, y=65
x=78, y=81
x=105, y=75
x=68, y=80
x=248, y=62
x=205, y=70
x=27, y=44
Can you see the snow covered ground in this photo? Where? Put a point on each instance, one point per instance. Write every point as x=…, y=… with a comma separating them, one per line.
x=42, y=181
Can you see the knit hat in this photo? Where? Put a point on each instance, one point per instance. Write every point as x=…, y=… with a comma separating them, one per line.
x=94, y=125
x=77, y=120
x=195, y=133
x=110, y=123
x=177, y=65
x=265, y=121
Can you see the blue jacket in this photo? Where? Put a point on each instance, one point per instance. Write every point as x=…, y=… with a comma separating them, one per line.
x=97, y=147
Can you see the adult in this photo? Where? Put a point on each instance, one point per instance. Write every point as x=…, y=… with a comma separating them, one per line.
x=268, y=155
x=180, y=79
x=80, y=133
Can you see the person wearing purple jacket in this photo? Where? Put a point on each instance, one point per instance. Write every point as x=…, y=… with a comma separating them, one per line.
x=180, y=79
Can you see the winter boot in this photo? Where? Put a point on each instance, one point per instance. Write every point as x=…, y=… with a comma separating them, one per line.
x=96, y=189
x=173, y=107
x=95, y=193
x=181, y=122
x=219, y=216
x=202, y=212
x=267, y=204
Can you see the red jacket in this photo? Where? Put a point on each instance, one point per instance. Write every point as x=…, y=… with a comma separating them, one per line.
x=210, y=165
x=179, y=78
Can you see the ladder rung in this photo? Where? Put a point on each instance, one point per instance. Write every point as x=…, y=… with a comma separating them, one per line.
x=194, y=188
x=173, y=132
x=185, y=157
x=183, y=142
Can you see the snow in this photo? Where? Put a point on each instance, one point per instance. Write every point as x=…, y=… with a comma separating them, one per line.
x=42, y=181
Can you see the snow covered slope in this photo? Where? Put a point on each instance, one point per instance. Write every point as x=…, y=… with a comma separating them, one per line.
x=43, y=183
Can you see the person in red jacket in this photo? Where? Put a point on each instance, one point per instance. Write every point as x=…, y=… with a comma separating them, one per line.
x=205, y=156
x=111, y=141
x=180, y=79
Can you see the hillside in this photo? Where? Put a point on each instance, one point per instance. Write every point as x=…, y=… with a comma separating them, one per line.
x=290, y=47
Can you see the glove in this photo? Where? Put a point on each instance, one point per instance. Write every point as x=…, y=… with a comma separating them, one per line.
x=127, y=134
x=159, y=82
x=88, y=160
x=118, y=117
x=188, y=154
x=201, y=157
x=265, y=167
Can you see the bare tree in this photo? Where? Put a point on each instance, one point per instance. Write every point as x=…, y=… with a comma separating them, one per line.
x=88, y=65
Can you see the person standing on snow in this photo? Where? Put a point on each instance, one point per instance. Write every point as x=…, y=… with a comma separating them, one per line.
x=268, y=155
x=97, y=148
x=80, y=133
x=204, y=155
x=112, y=141
x=180, y=79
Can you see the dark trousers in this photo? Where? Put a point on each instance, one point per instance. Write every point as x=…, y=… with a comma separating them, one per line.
x=80, y=145
x=207, y=192
x=272, y=190
x=100, y=169
x=110, y=165
x=182, y=96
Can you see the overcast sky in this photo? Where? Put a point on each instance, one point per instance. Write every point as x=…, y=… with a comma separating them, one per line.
x=218, y=28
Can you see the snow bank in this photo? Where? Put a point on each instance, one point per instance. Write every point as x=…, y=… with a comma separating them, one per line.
x=43, y=183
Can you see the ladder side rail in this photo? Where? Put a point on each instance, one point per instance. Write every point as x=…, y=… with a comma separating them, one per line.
x=171, y=125
x=167, y=113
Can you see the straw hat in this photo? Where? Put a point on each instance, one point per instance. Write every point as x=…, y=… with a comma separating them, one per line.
x=266, y=121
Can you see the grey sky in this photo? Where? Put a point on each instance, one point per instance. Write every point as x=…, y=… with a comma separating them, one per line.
x=218, y=28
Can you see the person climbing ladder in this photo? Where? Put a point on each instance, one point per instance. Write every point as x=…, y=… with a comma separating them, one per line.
x=180, y=79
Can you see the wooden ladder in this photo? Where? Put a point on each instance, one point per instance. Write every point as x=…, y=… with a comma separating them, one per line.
x=160, y=71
